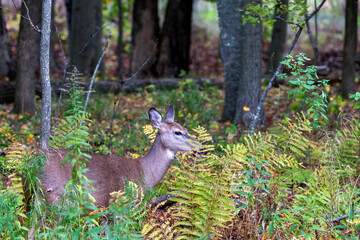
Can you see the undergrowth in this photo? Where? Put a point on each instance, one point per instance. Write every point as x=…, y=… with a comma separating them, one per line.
x=299, y=181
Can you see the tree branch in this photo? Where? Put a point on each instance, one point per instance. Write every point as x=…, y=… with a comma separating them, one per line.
x=279, y=69
x=94, y=74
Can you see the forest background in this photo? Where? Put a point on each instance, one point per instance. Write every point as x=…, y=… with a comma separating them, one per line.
x=213, y=61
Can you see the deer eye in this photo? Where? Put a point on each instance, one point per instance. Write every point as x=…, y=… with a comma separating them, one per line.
x=178, y=133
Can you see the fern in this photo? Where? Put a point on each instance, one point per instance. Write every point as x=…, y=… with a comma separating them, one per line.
x=203, y=203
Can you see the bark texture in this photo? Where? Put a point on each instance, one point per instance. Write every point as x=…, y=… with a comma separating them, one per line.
x=175, y=38
x=240, y=48
x=230, y=51
x=5, y=58
x=85, y=35
x=45, y=74
x=27, y=57
x=119, y=41
x=278, y=37
x=249, y=86
x=348, y=67
x=144, y=37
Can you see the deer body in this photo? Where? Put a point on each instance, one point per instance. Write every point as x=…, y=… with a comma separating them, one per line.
x=108, y=172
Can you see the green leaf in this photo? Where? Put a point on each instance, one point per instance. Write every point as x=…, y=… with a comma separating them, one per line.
x=357, y=106
x=318, y=228
x=271, y=228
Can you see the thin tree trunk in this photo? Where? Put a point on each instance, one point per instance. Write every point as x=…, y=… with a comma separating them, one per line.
x=45, y=75
x=348, y=66
x=27, y=57
x=119, y=41
x=175, y=39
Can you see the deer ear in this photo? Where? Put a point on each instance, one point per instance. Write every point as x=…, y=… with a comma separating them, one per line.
x=170, y=115
x=155, y=118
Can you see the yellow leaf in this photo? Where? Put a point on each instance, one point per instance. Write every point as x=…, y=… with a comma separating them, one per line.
x=246, y=109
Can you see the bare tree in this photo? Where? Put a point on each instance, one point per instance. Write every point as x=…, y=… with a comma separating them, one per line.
x=45, y=74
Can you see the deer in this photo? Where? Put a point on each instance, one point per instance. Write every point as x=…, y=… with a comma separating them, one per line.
x=108, y=173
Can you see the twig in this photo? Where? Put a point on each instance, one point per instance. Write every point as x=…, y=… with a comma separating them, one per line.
x=86, y=44
x=36, y=28
x=122, y=92
x=279, y=69
x=342, y=217
x=94, y=74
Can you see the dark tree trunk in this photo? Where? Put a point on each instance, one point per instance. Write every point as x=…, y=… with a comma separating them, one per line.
x=175, y=38
x=68, y=5
x=5, y=58
x=278, y=38
x=240, y=48
x=85, y=35
x=119, y=41
x=348, y=66
x=27, y=58
x=144, y=36
x=230, y=51
x=55, y=63
x=249, y=84
x=98, y=47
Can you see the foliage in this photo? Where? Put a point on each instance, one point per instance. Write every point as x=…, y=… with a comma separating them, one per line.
x=203, y=204
x=256, y=13
x=307, y=83
x=288, y=182
x=356, y=98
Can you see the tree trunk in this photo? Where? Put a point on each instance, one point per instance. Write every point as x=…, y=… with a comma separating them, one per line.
x=85, y=35
x=175, y=38
x=240, y=48
x=144, y=37
x=27, y=57
x=98, y=46
x=4, y=49
x=68, y=5
x=119, y=41
x=249, y=84
x=348, y=66
x=278, y=38
x=45, y=74
x=55, y=63
x=230, y=51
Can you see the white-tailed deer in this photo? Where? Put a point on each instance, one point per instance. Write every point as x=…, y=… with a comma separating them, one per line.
x=108, y=172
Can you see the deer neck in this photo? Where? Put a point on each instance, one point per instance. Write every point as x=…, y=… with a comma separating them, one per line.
x=156, y=163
